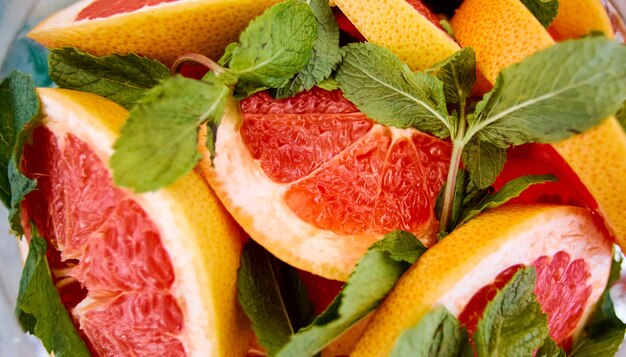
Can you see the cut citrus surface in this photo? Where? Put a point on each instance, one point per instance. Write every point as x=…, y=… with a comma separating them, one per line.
x=146, y=27
x=316, y=182
x=578, y=18
x=404, y=27
x=569, y=248
x=151, y=274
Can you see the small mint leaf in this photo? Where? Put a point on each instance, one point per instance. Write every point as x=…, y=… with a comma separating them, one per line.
x=386, y=90
x=484, y=162
x=329, y=84
x=372, y=278
x=458, y=74
x=550, y=349
x=158, y=142
x=447, y=27
x=122, y=78
x=512, y=323
x=276, y=45
x=621, y=115
x=438, y=334
x=20, y=187
x=39, y=308
x=544, y=10
x=228, y=54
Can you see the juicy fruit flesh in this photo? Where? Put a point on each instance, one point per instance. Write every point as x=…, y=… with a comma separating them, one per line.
x=105, y=8
x=345, y=173
x=108, y=245
x=561, y=290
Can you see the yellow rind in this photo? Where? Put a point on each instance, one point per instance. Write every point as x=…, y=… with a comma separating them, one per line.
x=396, y=25
x=578, y=18
x=163, y=32
x=212, y=241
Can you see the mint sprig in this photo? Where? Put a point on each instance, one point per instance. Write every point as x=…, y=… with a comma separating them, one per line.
x=544, y=10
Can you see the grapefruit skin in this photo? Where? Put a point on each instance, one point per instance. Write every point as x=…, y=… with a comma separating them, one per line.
x=159, y=269
x=204, y=26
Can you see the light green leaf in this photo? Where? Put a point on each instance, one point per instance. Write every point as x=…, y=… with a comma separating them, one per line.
x=550, y=349
x=484, y=162
x=325, y=55
x=122, y=78
x=228, y=54
x=447, y=27
x=158, y=142
x=512, y=323
x=328, y=84
x=544, y=10
x=371, y=280
x=438, y=334
x=386, y=90
x=276, y=45
x=39, y=308
x=553, y=94
x=458, y=74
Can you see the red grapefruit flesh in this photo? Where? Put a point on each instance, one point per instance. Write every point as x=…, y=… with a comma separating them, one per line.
x=106, y=8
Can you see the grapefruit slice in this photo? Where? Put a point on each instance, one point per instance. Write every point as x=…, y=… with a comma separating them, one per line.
x=578, y=18
x=316, y=182
x=571, y=251
x=159, y=29
x=142, y=275
x=595, y=156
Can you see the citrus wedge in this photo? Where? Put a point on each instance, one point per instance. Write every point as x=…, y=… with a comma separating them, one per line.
x=578, y=18
x=150, y=274
x=316, y=182
x=159, y=29
x=570, y=250
x=505, y=32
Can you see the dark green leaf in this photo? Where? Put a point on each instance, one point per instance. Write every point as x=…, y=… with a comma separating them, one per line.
x=325, y=55
x=122, y=78
x=276, y=45
x=20, y=187
x=621, y=115
x=386, y=90
x=39, y=308
x=272, y=296
x=458, y=74
x=484, y=162
x=550, y=349
x=158, y=142
x=438, y=334
x=371, y=280
x=553, y=94
x=544, y=10
x=512, y=323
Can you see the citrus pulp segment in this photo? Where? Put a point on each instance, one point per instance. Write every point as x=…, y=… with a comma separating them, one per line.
x=161, y=31
x=316, y=183
x=399, y=26
x=474, y=255
x=157, y=270
x=577, y=18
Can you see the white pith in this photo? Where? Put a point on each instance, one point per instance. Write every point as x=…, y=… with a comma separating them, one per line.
x=199, y=316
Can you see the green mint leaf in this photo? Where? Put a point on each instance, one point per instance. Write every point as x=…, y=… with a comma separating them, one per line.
x=122, y=78
x=272, y=296
x=550, y=349
x=621, y=115
x=466, y=196
x=228, y=54
x=447, y=27
x=484, y=162
x=276, y=45
x=20, y=187
x=458, y=74
x=324, y=56
x=438, y=334
x=39, y=308
x=553, y=94
x=509, y=191
x=329, y=84
x=372, y=278
x=244, y=89
x=386, y=90
x=512, y=323
x=158, y=142
x=604, y=332
x=544, y=10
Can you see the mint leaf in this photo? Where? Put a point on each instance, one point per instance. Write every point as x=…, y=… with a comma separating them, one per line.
x=228, y=54
x=447, y=27
x=121, y=78
x=604, y=333
x=484, y=162
x=328, y=84
x=512, y=323
x=438, y=334
x=553, y=94
x=544, y=10
x=325, y=54
x=276, y=45
x=550, y=349
x=266, y=289
x=385, y=89
x=621, y=115
x=39, y=308
x=458, y=74
x=158, y=142
x=372, y=278
x=509, y=191
x=19, y=113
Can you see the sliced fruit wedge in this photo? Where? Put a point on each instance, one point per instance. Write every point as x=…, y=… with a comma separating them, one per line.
x=150, y=274
x=316, y=182
x=578, y=18
x=505, y=32
x=569, y=248
x=159, y=29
